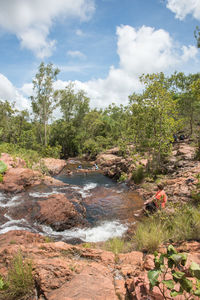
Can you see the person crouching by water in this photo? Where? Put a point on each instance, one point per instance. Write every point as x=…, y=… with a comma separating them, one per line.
x=158, y=202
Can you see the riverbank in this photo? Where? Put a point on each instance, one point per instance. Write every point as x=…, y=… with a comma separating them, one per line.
x=61, y=270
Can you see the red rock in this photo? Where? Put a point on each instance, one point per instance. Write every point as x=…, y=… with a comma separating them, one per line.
x=12, y=162
x=94, y=282
x=54, y=165
x=16, y=179
x=58, y=212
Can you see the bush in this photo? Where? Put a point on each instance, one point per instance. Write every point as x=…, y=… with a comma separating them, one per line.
x=171, y=276
x=138, y=175
x=123, y=177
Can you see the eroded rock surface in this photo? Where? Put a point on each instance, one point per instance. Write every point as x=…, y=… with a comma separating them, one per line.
x=65, y=272
x=54, y=165
x=58, y=212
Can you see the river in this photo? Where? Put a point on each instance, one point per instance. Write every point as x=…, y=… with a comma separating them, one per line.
x=110, y=208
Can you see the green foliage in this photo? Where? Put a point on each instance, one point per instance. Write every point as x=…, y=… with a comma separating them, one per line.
x=1, y=178
x=149, y=235
x=3, y=167
x=123, y=177
x=19, y=283
x=138, y=175
x=116, y=245
x=171, y=276
x=181, y=223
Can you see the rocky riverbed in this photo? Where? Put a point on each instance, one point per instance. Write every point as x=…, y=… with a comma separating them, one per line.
x=63, y=271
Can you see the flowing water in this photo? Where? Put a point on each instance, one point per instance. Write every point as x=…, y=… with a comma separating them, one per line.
x=110, y=208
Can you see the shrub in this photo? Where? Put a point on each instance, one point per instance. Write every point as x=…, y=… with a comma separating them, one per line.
x=123, y=177
x=171, y=276
x=138, y=175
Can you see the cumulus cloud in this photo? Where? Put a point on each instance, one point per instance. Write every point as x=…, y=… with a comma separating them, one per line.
x=75, y=54
x=31, y=20
x=184, y=7
x=10, y=93
x=142, y=50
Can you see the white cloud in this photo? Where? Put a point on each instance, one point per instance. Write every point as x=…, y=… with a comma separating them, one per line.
x=10, y=93
x=143, y=50
x=75, y=54
x=79, y=32
x=189, y=52
x=184, y=7
x=31, y=20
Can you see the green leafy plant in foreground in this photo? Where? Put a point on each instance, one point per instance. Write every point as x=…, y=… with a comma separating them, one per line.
x=171, y=276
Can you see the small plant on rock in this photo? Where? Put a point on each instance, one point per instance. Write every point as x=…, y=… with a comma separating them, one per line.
x=20, y=281
x=171, y=276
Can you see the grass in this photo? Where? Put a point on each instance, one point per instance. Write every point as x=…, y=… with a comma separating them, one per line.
x=149, y=235
x=19, y=283
x=180, y=223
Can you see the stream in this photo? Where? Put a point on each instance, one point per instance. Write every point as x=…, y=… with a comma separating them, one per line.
x=110, y=208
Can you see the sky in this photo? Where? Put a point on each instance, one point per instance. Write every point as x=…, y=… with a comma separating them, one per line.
x=103, y=46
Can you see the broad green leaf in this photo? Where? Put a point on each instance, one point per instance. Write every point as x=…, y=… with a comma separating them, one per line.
x=184, y=259
x=186, y=284
x=197, y=293
x=177, y=258
x=195, y=269
x=153, y=277
x=3, y=167
x=178, y=275
x=171, y=250
x=175, y=293
x=169, y=284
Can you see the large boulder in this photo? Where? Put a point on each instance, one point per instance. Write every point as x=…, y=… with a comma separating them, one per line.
x=53, y=165
x=16, y=179
x=58, y=212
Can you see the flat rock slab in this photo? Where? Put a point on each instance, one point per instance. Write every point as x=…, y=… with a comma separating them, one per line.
x=94, y=282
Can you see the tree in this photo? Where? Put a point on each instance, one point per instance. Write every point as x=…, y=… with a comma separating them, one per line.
x=154, y=114
x=184, y=87
x=43, y=100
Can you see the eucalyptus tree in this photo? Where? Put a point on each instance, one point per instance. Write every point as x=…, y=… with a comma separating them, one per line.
x=43, y=100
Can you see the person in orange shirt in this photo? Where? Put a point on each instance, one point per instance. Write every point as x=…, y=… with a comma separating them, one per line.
x=158, y=201
x=160, y=197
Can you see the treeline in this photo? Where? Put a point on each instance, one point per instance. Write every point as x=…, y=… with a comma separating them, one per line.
x=165, y=107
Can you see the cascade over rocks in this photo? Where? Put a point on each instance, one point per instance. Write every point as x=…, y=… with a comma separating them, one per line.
x=65, y=272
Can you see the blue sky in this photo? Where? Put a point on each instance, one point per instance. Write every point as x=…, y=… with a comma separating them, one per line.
x=101, y=45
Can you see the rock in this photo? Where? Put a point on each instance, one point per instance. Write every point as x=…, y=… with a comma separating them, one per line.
x=186, y=151
x=12, y=162
x=53, y=165
x=58, y=212
x=16, y=179
x=107, y=160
